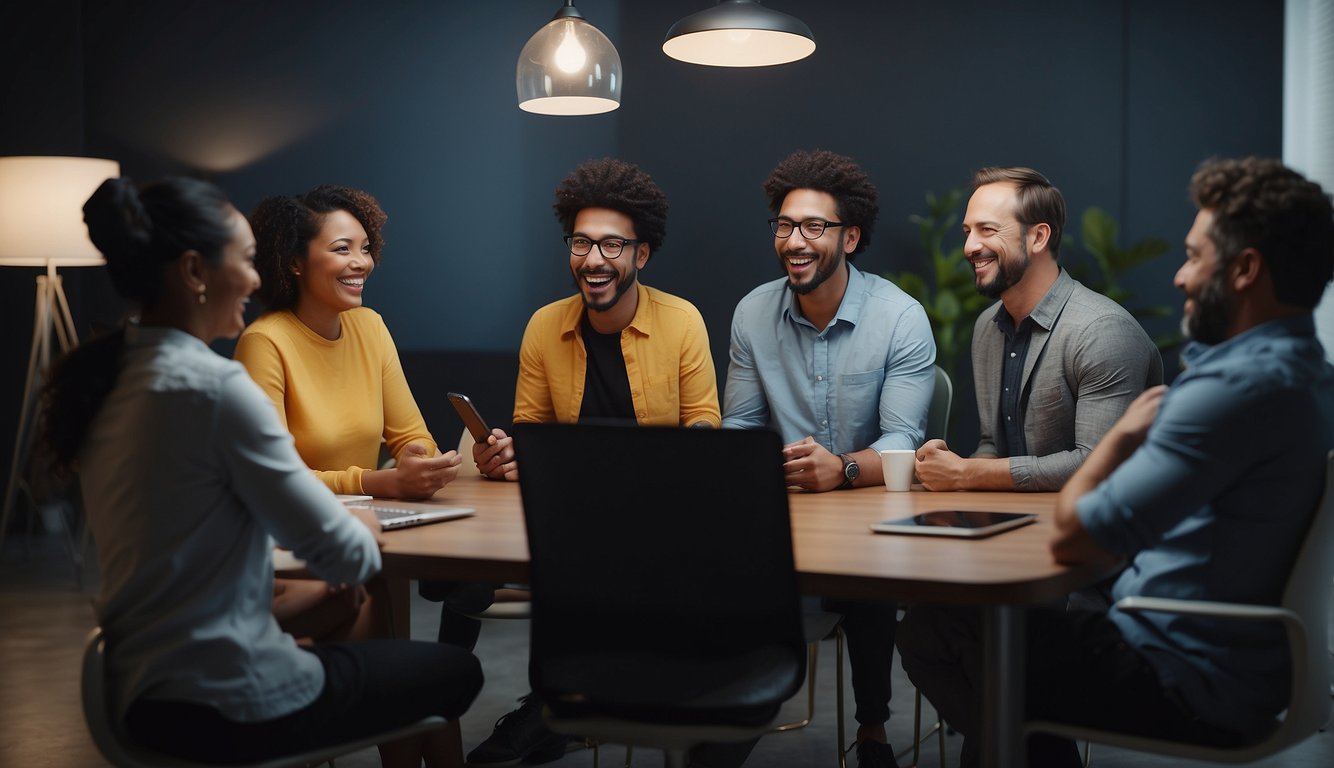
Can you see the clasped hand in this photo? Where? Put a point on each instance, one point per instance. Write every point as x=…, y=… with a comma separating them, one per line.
x=811, y=467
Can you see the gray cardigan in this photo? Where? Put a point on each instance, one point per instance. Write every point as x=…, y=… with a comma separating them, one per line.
x=1088, y=359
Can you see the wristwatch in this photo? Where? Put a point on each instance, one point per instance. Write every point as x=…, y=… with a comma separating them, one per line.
x=851, y=471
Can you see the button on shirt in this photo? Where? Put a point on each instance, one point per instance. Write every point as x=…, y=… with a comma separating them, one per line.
x=1213, y=506
x=1012, y=380
x=864, y=381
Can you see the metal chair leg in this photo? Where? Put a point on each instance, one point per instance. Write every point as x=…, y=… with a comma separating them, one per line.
x=838, y=686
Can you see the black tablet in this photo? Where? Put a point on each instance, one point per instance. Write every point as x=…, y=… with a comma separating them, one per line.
x=970, y=524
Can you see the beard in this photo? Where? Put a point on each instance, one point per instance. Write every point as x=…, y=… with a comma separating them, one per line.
x=824, y=269
x=623, y=284
x=1208, y=323
x=1005, y=276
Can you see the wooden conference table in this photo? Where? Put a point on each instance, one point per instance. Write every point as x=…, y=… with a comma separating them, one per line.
x=836, y=556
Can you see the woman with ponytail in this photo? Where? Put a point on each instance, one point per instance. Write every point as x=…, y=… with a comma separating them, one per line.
x=188, y=476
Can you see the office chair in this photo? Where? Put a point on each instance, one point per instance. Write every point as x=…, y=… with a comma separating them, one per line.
x=1303, y=613
x=117, y=749
x=637, y=636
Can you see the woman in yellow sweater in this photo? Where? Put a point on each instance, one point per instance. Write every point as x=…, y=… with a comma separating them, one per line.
x=331, y=368
x=327, y=362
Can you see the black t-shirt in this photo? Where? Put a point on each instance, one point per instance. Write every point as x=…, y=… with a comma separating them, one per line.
x=606, y=384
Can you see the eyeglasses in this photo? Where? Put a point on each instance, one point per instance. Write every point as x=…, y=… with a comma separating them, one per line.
x=811, y=229
x=609, y=247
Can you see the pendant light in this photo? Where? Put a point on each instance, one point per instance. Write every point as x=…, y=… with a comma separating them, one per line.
x=739, y=33
x=568, y=68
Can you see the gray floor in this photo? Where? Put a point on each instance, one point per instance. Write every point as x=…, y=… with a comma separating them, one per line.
x=45, y=615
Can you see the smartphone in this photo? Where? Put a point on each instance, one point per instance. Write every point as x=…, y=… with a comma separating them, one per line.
x=471, y=418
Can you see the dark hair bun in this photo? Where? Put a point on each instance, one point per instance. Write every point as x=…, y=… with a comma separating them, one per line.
x=121, y=229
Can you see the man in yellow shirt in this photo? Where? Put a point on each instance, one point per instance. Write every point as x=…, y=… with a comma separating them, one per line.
x=615, y=352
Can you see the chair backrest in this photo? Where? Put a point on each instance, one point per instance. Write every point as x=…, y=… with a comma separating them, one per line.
x=1307, y=595
x=651, y=540
x=938, y=415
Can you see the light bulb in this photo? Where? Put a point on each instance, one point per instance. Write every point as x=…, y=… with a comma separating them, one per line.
x=570, y=55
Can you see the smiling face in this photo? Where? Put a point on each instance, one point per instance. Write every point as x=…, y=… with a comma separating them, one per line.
x=230, y=282
x=995, y=240
x=333, y=273
x=1202, y=278
x=602, y=281
x=810, y=263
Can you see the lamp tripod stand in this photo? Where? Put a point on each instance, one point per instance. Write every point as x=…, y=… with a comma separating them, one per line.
x=52, y=317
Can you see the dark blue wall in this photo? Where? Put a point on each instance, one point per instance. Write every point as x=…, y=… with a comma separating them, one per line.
x=1115, y=100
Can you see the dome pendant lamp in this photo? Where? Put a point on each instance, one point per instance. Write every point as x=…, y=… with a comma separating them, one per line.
x=739, y=33
x=568, y=68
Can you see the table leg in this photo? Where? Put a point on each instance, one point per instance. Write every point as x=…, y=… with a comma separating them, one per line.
x=1003, y=686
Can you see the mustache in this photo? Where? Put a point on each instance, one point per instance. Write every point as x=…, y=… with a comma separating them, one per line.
x=804, y=254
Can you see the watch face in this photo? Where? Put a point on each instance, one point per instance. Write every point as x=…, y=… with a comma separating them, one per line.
x=852, y=471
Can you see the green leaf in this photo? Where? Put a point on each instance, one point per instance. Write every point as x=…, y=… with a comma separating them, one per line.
x=912, y=284
x=948, y=307
x=1098, y=232
x=1145, y=250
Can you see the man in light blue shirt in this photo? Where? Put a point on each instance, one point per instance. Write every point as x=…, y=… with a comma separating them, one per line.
x=1207, y=489
x=839, y=363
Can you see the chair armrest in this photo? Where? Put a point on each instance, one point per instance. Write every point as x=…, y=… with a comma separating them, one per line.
x=1236, y=611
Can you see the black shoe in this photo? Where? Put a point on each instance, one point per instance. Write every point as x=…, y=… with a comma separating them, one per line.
x=521, y=737
x=874, y=754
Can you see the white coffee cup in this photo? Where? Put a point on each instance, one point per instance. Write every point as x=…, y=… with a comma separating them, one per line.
x=898, y=464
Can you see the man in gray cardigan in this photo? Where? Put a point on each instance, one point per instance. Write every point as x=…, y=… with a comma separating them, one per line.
x=1055, y=364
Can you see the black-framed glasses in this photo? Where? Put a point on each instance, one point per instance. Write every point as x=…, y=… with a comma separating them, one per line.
x=609, y=247
x=811, y=229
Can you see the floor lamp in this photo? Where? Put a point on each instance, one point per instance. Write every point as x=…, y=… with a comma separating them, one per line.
x=41, y=225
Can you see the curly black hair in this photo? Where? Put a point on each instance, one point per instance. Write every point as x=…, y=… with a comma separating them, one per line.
x=835, y=174
x=620, y=186
x=285, y=224
x=1262, y=204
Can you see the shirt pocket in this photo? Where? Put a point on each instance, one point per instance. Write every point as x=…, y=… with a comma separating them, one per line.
x=662, y=399
x=1047, y=397
x=858, y=399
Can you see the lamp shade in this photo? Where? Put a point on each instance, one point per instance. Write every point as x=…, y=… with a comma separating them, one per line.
x=568, y=68
x=739, y=33
x=41, y=210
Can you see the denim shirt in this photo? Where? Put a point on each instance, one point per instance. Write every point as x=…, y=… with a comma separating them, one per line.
x=864, y=381
x=1214, y=506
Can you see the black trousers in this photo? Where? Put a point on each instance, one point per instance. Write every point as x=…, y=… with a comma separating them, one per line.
x=1078, y=669
x=370, y=687
x=869, y=629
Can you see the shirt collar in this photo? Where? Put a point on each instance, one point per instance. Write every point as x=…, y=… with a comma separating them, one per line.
x=1047, y=310
x=642, y=322
x=137, y=335
x=849, y=309
x=1196, y=353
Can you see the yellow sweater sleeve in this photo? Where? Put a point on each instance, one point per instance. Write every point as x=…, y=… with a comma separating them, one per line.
x=340, y=399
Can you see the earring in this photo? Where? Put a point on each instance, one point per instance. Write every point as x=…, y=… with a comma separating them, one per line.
x=203, y=299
